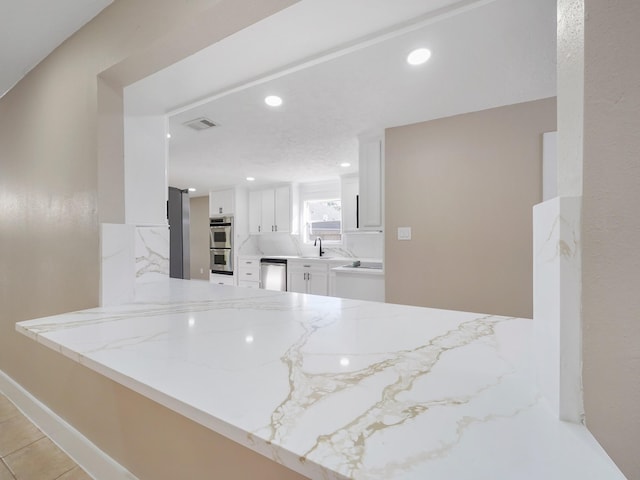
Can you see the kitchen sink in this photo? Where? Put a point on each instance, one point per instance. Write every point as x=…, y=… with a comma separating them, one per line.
x=317, y=258
x=366, y=265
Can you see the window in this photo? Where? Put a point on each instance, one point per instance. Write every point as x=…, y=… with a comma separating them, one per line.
x=323, y=218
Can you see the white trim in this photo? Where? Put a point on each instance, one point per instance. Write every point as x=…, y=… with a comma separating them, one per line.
x=93, y=460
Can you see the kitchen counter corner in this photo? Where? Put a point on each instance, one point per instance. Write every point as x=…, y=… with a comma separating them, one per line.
x=335, y=388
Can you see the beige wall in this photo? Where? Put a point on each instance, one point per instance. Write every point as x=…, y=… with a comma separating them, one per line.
x=55, y=131
x=199, y=237
x=466, y=186
x=611, y=229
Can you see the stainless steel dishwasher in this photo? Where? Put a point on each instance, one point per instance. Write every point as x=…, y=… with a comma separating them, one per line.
x=273, y=274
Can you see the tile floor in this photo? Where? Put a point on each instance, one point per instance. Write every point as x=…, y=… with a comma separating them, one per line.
x=27, y=454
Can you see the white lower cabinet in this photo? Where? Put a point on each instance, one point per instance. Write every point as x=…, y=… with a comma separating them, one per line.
x=248, y=271
x=221, y=279
x=308, y=277
x=359, y=285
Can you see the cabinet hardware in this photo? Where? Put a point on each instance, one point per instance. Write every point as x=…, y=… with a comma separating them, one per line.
x=220, y=210
x=259, y=227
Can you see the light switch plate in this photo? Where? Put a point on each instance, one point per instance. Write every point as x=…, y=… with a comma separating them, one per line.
x=404, y=233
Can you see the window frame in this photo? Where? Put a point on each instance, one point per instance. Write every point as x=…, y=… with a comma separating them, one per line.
x=319, y=192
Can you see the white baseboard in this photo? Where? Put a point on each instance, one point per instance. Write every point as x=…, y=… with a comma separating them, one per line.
x=93, y=460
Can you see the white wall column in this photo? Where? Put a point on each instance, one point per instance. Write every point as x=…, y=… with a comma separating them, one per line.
x=145, y=165
x=557, y=232
x=138, y=250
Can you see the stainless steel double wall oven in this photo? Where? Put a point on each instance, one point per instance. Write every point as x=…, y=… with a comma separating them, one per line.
x=221, y=245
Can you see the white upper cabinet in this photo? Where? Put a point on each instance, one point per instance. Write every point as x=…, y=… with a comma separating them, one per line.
x=268, y=211
x=371, y=185
x=282, y=209
x=271, y=210
x=349, y=188
x=221, y=202
x=255, y=213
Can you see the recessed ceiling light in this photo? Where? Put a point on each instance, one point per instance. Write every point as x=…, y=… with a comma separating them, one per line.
x=419, y=56
x=191, y=189
x=345, y=164
x=168, y=135
x=273, y=101
x=251, y=179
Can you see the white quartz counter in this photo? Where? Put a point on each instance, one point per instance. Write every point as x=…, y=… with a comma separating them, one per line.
x=328, y=259
x=336, y=388
x=358, y=270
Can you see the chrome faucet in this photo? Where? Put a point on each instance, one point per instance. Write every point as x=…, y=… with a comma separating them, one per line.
x=315, y=242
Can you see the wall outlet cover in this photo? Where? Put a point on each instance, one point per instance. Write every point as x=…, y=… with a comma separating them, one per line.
x=404, y=233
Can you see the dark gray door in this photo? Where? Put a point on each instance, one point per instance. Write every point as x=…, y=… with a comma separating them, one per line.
x=178, y=213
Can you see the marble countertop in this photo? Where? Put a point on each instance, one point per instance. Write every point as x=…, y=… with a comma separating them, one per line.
x=324, y=259
x=335, y=388
x=358, y=270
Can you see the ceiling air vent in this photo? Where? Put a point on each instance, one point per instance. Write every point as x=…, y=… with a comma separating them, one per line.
x=201, y=123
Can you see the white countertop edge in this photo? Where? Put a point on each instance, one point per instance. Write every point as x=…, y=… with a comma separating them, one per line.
x=259, y=445
x=580, y=439
x=358, y=270
x=324, y=259
x=270, y=450
x=583, y=434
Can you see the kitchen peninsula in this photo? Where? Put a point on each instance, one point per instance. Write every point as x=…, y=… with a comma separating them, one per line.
x=335, y=388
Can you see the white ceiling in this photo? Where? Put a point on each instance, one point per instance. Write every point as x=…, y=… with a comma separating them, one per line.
x=340, y=68
x=31, y=29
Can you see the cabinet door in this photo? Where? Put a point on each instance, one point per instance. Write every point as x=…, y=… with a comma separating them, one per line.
x=282, y=209
x=318, y=282
x=268, y=213
x=221, y=202
x=221, y=279
x=255, y=213
x=349, y=204
x=298, y=281
x=371, y=184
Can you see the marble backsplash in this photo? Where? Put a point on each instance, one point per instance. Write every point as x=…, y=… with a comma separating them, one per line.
x=151, y=253
x=556, y=305
x=117, y=266
x=356, y=245
x=130, y=255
